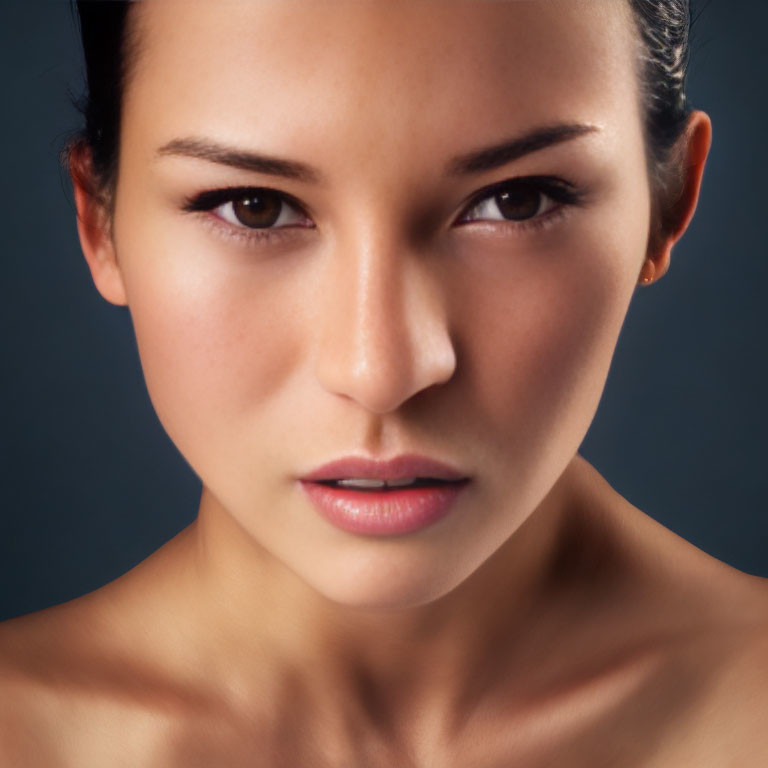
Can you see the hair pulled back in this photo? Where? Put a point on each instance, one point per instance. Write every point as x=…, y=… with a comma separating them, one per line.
x=663, y=28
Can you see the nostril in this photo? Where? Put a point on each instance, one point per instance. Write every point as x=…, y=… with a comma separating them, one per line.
x=382, y=377
x=383, y=336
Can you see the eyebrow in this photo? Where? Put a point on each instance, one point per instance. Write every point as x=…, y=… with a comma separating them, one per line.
x=477, y=161
x=203, y=149
x=500, y=154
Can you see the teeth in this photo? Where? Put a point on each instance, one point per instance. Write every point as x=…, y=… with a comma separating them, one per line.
x=400, y=483
x=364, y=482
x=361, y=483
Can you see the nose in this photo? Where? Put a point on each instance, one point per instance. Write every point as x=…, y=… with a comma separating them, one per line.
x=384, y=335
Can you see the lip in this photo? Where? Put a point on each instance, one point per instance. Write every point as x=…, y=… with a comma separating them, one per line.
x=397, y=468
x=384, y=512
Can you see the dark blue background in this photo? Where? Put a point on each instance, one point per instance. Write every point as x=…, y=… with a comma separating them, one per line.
x=91, y=484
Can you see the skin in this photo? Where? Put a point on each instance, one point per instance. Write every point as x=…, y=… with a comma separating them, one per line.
x=545, y=620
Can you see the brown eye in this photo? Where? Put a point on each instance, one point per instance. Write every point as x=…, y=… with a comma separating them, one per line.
x=253, y=209
x=519, y=202
x=258, y=210
x=515, y=201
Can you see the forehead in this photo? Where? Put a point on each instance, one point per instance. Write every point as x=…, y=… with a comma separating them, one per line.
x=377, y=76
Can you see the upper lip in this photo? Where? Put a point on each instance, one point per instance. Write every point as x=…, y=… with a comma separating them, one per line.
x=397, y=468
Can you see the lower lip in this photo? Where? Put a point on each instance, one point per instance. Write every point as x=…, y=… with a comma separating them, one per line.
x=383, y=513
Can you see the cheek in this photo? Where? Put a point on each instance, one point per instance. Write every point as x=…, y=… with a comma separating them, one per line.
x=539, y=338
x=217, y=340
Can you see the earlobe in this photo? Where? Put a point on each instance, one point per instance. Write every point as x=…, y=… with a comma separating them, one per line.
x=93, y=227
x=696, y=142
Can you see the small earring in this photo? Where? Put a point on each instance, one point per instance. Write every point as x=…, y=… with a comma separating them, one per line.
x=648, y=272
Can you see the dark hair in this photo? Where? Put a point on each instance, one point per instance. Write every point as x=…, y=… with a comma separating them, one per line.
x=105, y=39
x=663, y=30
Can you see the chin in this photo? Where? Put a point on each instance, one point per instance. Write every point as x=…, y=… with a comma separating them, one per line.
x=386, y=582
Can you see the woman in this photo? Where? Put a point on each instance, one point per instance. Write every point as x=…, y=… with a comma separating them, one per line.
x=377, y=257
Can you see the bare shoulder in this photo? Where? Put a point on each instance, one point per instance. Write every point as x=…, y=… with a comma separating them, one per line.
x=737, y=695
x=708, y=624
x=72, y=692
x=724, y=723
x=667, y=574
x=31, y=680
x=106, y=679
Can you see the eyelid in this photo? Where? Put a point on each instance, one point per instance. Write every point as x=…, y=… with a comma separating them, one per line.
x=558, y=190
x=212, y=199
x=205, y=204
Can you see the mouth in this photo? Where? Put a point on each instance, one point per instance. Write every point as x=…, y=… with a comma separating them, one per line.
x=375, y=485
x=381, y=498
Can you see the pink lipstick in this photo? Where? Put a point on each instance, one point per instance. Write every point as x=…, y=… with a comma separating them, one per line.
x=383, y=498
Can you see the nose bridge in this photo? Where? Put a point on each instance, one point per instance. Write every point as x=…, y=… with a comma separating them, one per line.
x=384, y=335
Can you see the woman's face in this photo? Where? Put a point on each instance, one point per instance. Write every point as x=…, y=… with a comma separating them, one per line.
x=396, y=305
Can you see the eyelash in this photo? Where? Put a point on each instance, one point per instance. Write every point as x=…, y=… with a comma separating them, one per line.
x=563, y=193
x=210, y=200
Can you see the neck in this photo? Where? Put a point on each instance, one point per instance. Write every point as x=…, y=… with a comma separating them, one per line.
x=381, y=665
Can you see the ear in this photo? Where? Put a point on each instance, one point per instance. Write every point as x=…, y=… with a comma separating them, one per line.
x=94, y=227
x=693, y=149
